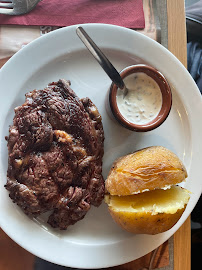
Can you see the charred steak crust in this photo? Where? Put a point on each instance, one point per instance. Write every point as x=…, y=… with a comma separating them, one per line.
x=55, y=150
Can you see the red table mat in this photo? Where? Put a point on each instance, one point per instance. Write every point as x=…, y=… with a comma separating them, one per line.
x=127, y=13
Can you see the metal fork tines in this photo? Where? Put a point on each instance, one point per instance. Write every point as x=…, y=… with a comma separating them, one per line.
x=6, y=7
x=17, y=7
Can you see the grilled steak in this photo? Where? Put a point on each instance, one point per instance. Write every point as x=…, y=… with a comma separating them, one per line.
x=55, y=150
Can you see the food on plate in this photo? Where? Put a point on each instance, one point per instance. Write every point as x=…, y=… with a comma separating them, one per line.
x=143, y=196
x=147, y=102
x=55, y=148
x=143, y=101
x=150, y=212
x=147, y=169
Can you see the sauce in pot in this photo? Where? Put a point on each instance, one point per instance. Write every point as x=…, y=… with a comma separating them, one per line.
x=143, y=101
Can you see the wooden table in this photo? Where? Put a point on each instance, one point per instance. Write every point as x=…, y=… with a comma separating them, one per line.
x=177, y=44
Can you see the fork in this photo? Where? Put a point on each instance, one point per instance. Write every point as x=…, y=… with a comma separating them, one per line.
x=17, y=7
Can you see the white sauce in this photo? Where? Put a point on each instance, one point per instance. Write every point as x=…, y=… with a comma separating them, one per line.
x=143, y=100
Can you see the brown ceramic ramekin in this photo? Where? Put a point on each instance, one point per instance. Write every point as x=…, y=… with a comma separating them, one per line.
x=166, y=98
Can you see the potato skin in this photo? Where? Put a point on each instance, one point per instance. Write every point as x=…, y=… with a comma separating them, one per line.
x=145, y=223
x=147, y=169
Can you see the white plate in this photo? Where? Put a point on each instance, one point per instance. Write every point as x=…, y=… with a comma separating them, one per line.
x=96, y=241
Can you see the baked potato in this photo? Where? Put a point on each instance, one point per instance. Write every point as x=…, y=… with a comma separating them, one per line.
x=150, y=212
x=151, y=168
x=142, y=194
